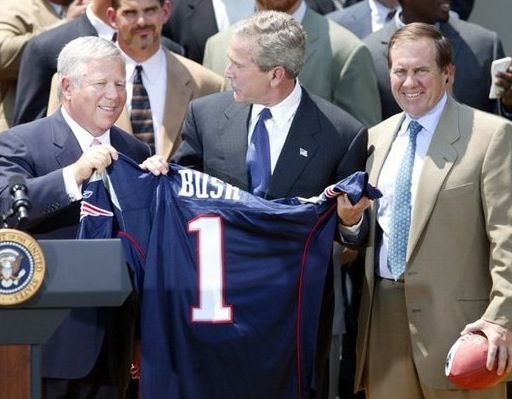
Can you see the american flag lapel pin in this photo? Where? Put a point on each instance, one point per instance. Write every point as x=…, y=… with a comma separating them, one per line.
x=303, y=152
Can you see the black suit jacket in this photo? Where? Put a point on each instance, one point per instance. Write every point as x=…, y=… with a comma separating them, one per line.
x=324, y=144
x=38, y=151
x=191, y=23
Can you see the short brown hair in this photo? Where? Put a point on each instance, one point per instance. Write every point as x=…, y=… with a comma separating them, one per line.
x=117, y=3
x=418, y=30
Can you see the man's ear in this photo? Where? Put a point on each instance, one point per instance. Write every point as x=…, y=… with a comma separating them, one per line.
x=278, y=74
x=167, y=7
x=111, y=17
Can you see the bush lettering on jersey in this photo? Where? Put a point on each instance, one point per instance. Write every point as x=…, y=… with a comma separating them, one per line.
x=195, y=184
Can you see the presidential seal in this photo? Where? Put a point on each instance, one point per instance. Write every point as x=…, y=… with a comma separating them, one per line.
x=22, y=267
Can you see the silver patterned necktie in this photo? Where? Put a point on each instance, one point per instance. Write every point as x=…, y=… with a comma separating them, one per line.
x=401, y=207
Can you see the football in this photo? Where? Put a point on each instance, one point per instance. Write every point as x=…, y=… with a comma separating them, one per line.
x=465, y=363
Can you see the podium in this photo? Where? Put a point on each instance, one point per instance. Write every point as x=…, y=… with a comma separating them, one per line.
x=79, y=273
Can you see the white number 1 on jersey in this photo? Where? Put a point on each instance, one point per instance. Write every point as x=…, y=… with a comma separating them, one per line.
x=210, y=270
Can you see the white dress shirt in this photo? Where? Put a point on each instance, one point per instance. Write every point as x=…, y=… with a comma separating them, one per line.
x=227, y=12
x=104, y=30
x=389, y=172
x=84, y=140
x=380, y=13
x=279, y=125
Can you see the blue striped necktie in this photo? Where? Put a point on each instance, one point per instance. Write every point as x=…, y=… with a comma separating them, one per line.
x=401, y=208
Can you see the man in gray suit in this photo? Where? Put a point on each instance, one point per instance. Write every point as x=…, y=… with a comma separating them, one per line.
x=312, y=143
x=338, y=67
x=474, y=49
x=438, y=263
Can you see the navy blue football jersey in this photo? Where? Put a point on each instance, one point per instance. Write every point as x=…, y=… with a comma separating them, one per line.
x=230, y=285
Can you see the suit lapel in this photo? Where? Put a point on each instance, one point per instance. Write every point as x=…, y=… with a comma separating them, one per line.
x=313, y=30
x=379, y=146
x=300, y=146
x=177, y=96
x=232, y=132
x=439, y=160
x=454, y=36
x=385, y=36
x=67, y=148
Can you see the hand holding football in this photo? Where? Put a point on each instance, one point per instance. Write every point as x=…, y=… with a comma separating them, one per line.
x=465, y=363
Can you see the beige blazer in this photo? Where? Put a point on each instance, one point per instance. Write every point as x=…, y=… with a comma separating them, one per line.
x=459, y=258
x=186, y=80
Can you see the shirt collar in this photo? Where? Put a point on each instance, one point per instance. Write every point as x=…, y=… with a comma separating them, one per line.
x=150, y=67
x=430, y=120
x=285, y=110
x=83, y=136
x=300, y=13
x=380, y=11
x=104, y=30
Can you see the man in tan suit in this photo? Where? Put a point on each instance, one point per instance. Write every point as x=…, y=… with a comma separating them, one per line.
x=454, y=274
x=171, y=80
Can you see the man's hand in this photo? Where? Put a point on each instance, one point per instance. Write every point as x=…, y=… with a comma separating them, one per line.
x=156, y=164
x=349, y=214
x=500, y=344
x=504, y=80
x=96, y=158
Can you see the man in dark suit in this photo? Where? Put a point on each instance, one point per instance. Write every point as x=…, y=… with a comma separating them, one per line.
x=474, y=49
x=56, y=155
x=312, y=142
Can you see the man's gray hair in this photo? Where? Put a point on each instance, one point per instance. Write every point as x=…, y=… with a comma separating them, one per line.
x=278, y=40
x=73, y=58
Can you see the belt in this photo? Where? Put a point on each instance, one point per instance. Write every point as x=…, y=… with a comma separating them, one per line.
x=380, y=278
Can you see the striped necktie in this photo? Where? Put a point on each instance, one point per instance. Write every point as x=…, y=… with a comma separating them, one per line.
x=141, y=117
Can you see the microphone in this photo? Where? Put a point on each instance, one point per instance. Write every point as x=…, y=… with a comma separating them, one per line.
x=21, y=203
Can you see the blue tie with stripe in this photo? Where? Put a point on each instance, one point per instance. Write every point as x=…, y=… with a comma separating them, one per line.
x=401, y=208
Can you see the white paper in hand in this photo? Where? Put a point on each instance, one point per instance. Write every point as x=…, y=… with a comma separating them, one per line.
x=500, y=65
